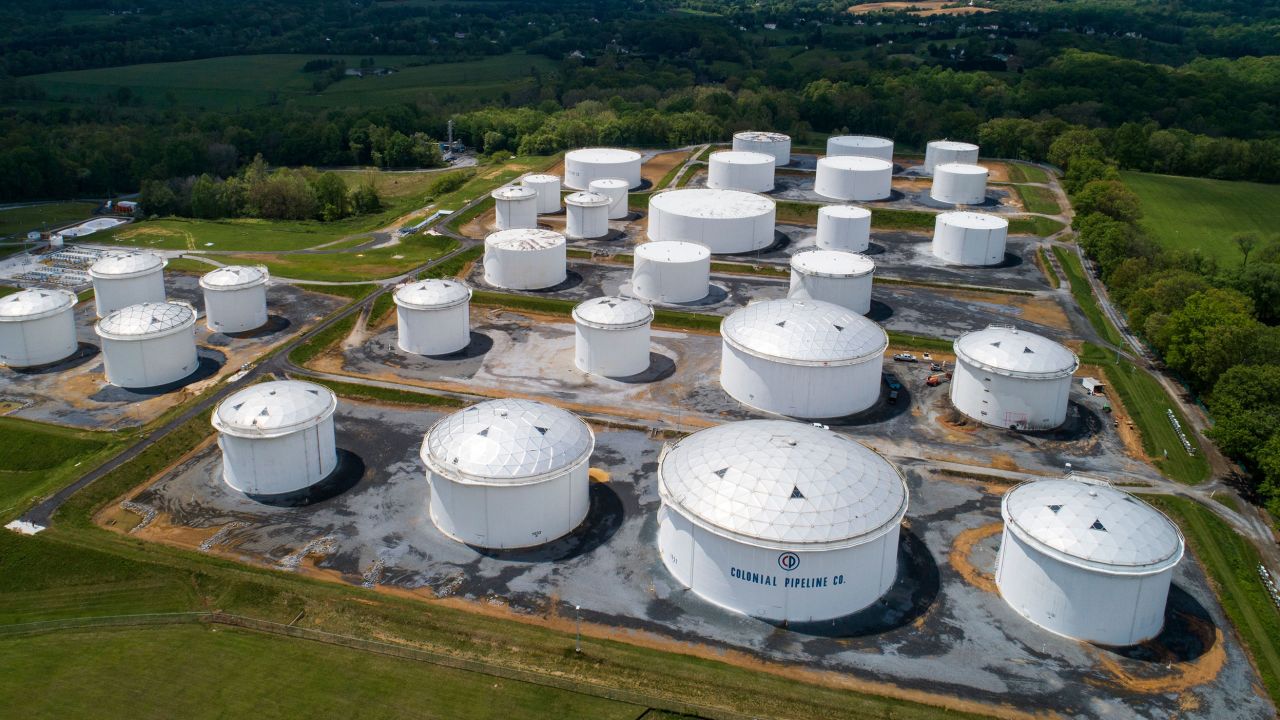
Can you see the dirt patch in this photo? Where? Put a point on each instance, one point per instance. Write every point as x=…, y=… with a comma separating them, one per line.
x=924, y=8
x=962, y=550
x=599, y=475
x=996, y=171
x=1040, y=310
x=912, y=185
x=657, y=167
x=1002, y=461
x=1174, y=677
x=957, y=421
x=1124, y=425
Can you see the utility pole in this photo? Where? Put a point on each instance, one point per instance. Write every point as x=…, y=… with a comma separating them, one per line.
x=577, y=623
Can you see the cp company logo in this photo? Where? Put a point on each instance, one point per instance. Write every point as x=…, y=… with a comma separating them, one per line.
x=788, y=561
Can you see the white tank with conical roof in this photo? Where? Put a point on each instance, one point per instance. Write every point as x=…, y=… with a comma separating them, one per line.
x=526, y=259
x=277, y=437
x=148, y=344
x=433, y=316
x=1011, y=378
x=37, y=327
x=235, y=298
x=127, y=278
x=611, y=336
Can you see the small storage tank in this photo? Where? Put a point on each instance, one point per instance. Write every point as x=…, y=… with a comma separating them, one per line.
x=508, y=473
x=515, y=207
x=861, y=146
x=127, y=278
x=671, y=272
x=853, y=177
x=149, y=344
x=803, y=358
x=970, y=238
x=433, y=317
x=834, y=276
x=943, y=152
x=725, y=221
x=844, y=227
x=548, y=189
x=586, y=215
x=1083, y=559
x=612, y=336
x=617, y=191
x=780, y=520
x=235, y=298
x=529, y=259
x=37, y=327
x=736, y=170
x=583, y=166
x=959, y=184
x=277, y=437
x=769, y=143
x=1012, y=379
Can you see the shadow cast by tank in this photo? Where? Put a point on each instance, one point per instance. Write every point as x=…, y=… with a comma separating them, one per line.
x=613, y=235
x=274, y=324
x=83, y=354
x=883, y=410
x=780, y=242
x=874, y=249
x=572, y=279
x=1081, y=423
x=208, y=363
x=715, y=295
x=604, y=516
x=1189, y=633
x=632, y=216
x=1011, y=260
x=346, y=475
x=912, y=594
x=879, y=311
x=660, y=368
x=480, y=344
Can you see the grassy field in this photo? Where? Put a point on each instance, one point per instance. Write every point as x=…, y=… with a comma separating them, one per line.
x=1083, y=294
x=1019, y=173
x=246, y=234
x=242, y=81
x=412, y=251
x=1233, y=566
x=1196, y=213
x=39, y=458
x=1146, y=402
x=1046, y=267
x=387, y=395
x=1038, y=200
x=318, y=343
x=17, y=221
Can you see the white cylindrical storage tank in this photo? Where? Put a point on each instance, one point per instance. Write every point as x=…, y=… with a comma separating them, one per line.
x=844, y=227
x=529, y=259
x=37, y=327
x=433, y=317
x=959, y=184
x=803, y=358
x=834, y=276
x=1083, y=559
x=612, y=336
x=618, y=192
x=586, y=215
x=769, y=143
x=725, y=221
x=735, y=170
x=853, y=177
x=548, y=189
x=583, y=166
x=127, y=278
x=1012, y=379
x=671, y=272
x=515, y=207
x=861, y=146
x=942, y=152
x=970, y=238
x=780, y=520
x=508, y=473
x=235, y=298
x=149, y=344
x=277, y=437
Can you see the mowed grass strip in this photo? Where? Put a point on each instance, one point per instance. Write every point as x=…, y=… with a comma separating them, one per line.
x=197, y=671
x=357, y=391
x=1199, y=214
x=1232, y=564
x=18, y=221
x=1020, y=173
x=1038, y=200
x=36, y=459
x=378, y=264
x=1083, y=293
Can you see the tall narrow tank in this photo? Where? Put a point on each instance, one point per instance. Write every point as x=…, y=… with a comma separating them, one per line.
x=618, y=192
x=738, y=170
x=861, y=146
x=671, y=272
x=586, y=215
x=277, y=438
x=834, y=276
x=235, y=298
x=853, y=177
x=433, y=317
x=515, y=207
x=959, y=184
x=149, y=344
x=548, y=189
x=769, y=143
x=725, y=221
x=844, y=227
x=127, y=278
x=1012, y=379
x=587, y=164
x=942, y=152
x=37, y=327
x=529, y=259
x=611, y=336
x=970, y=238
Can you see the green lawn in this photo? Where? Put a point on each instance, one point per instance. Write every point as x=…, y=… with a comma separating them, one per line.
x=1038, y=200
x=193, y=671
x=1196, y=213
x=37, y=459
x=388, y=395
x=246, y=234
x=1146, y=401
x=1083, y=294
x=1233, y=566
x=1019, y=173
x=378, y=264
x=18, y=221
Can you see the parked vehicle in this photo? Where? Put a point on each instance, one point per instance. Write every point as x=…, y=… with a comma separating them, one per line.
x=892, y=381
x=904, y=357
x=893, y=397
